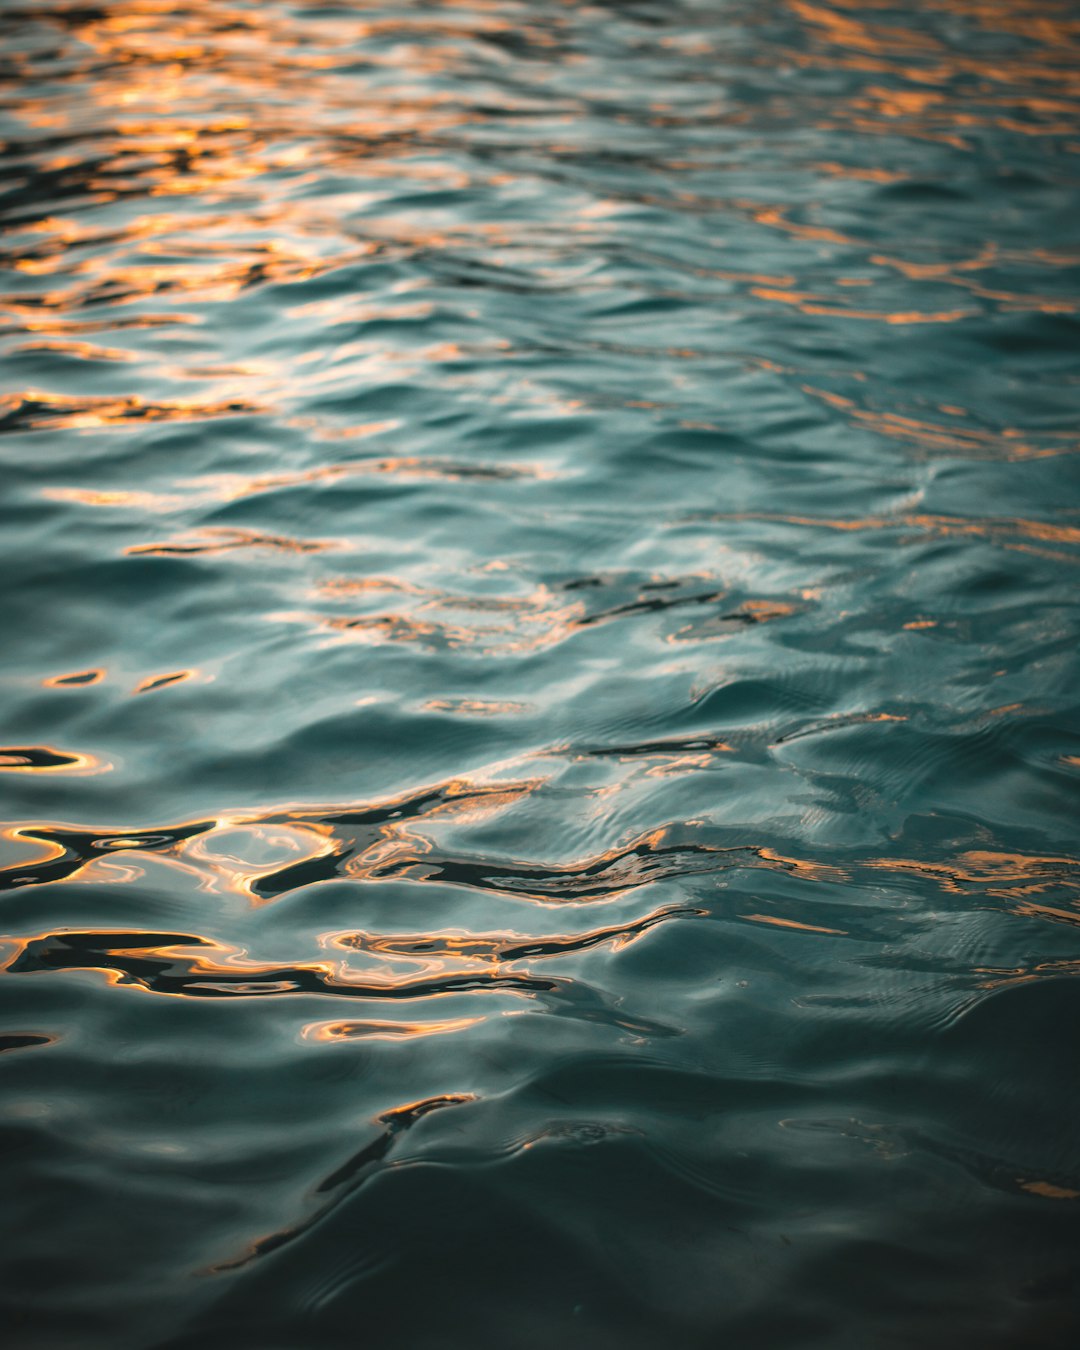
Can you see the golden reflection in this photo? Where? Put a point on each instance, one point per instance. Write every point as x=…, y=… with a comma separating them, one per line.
x=384, y=1031
x=836, y=721
x=70, y=851
x=1048, y=1190
x=459, y=798
x=83, y=351
x=653, y=856
x=215, y=540
x=336, y=586
x=240, y=855
x=180, y=965
x=802, y=867
x=1003, y=531
x=261, y=858
x=1030, y=910
x=160, y=681
x=334, y=843
x=958, y=273
x=476, y=707
x=47, y=759
x=539, y=619
x=360, y=431
x=77, y=678
x=1009, y=876
x=846, y=31
x=33, y=410
x=868, y=175
x=774, y=217
x=1041, y=970
x=518, y=624
x=40, y=850
x=763, y=610
x=157, y=77
x=446, y=952
x=939, y=436
x=808, y=302
x=791, y=923
x=722, y=625
x=154, y=502
x=663, y=759
x=114, y=322
x=234, y=487
x=940, y=94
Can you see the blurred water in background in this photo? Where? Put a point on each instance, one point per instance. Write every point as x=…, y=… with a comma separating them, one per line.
x=540, y=740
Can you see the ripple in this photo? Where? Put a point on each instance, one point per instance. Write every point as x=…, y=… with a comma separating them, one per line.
x=68, y=851
x=53, y=412
x=428, y=947
x=216, y=541
x=352, y=1174
x=45, y=759
x=150, y=961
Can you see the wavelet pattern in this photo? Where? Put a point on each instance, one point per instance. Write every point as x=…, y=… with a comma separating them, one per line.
x=540, y=746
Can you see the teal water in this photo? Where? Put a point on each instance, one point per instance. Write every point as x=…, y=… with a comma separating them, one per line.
x=540, y=740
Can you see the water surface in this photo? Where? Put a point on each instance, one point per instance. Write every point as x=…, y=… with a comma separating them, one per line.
x=540, y=741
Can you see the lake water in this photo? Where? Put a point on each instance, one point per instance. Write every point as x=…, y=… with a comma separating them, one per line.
x=540, y=752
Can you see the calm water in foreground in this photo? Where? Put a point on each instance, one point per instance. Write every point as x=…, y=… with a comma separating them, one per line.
x=540, y=746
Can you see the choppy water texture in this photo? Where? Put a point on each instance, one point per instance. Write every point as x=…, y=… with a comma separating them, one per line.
x=540, y=752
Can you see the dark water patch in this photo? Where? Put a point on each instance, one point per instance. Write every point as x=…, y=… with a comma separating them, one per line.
x=36, y=757
x=674, y=748
x=23, y=1040
x=79, y=678
x=350, y=1175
